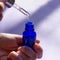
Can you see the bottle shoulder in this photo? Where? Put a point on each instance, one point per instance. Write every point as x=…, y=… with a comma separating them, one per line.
x=29, y=33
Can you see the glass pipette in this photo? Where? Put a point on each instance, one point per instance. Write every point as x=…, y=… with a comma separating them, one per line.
x=22, y=10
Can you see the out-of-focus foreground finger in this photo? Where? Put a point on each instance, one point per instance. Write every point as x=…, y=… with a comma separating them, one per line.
x=17, y=56
x=37, y=41
x=28, y=52
x=37, y=52
x=10, y=41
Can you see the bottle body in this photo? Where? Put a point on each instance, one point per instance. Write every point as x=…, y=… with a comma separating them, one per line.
x=29, y=36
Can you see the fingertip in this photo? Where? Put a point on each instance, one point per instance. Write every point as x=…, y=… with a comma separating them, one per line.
x=19, y=49
x=12, y=56
x=37, y=41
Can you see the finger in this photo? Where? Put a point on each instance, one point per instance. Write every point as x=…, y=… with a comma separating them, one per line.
x=12, y=56
x=27, y=51
x=38, y=50
x=37, y=53
x=17, y=56
x=1, y=7
x=1, y=10
x=37, y=41
x=26, y=55
x=10, y=41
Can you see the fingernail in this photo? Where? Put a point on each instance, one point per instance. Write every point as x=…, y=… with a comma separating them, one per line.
x=9, y=59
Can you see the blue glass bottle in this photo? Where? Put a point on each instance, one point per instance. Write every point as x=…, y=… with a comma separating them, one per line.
x=29, y=35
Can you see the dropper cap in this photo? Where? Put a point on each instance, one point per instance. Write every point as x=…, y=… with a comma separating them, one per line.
x=10, y=3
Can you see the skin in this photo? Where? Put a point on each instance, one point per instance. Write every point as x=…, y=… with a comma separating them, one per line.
x=1, y=10
x=10, y=49
x=2, y=2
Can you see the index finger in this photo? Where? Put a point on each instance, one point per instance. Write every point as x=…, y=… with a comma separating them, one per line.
x=10, y=41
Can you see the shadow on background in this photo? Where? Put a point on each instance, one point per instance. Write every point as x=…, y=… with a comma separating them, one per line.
x=37, y=17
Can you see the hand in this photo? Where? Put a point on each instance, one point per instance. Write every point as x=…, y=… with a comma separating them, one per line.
x=11, y=48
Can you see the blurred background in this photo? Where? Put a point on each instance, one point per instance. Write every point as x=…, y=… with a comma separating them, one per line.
x=45, y=14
